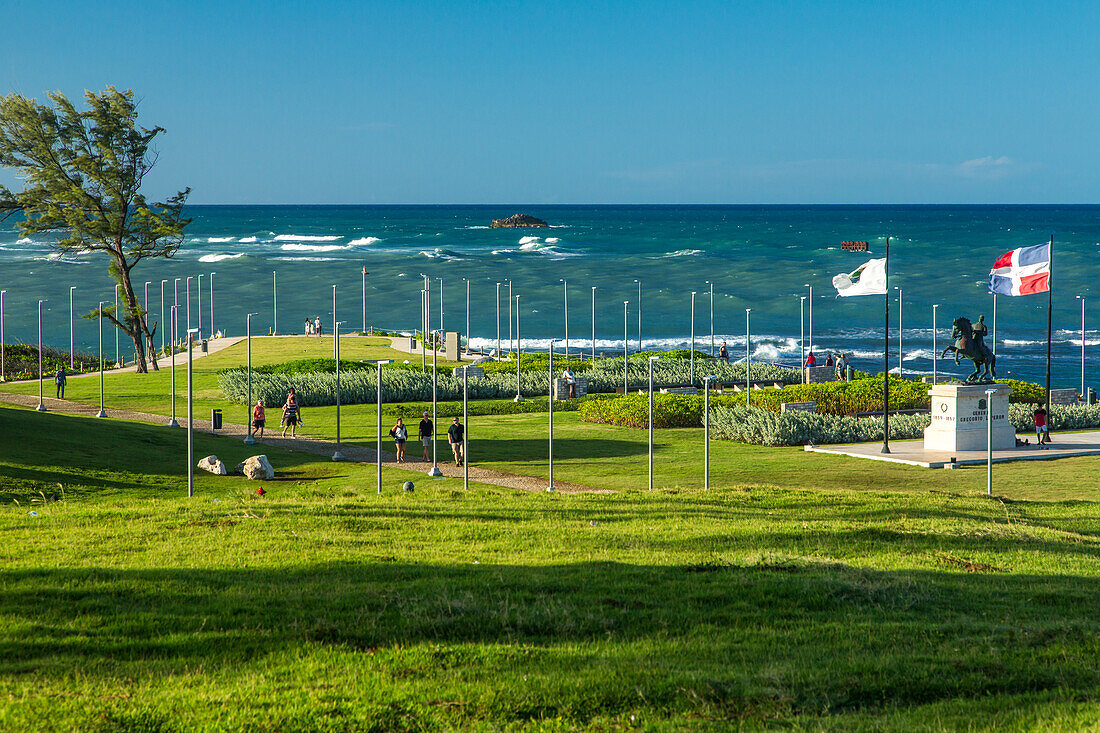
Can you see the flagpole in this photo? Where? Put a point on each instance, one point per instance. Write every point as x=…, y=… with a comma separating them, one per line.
x=1050, y=298
x=886, y=358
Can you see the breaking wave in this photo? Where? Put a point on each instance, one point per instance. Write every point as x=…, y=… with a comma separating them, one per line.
x=306, y=238
x=219, y=257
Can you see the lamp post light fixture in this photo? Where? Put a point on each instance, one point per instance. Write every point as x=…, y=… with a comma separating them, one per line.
x=336, y=455
x=519, y=358
x=802, y=337
x=935, y=351
x=989, y=441
x=706, y=430
x=435, y=472
x=190, y=413
x=550, y=353
x=748, y=361
x=248, y=439
x=102, y=412
x=1082, y=299
x=691, y=351
x=72, y=316
x=175, y=316
x=41, y=371
x=626, y=376
x=650, y=421
x=593, y=324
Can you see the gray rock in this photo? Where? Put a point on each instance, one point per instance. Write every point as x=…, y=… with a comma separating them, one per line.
x=213, y=465
x=256, y=468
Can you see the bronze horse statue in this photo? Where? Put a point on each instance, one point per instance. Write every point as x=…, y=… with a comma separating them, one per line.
x=969, y=347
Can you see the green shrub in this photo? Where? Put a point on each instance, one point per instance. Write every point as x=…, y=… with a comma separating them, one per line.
x=1060, y=417
x=765, y=427
x=21, y=361
x=451, y=409
x=632, y=411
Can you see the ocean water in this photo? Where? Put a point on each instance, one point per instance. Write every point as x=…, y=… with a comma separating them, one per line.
x=758, y=257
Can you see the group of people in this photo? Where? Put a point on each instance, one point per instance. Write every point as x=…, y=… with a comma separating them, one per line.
x=839, y=363
x=456, y=434
x=313, y=327
x=290, y=420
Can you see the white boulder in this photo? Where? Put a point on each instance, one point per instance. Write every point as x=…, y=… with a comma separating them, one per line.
x=213, y=465
x=257, y=468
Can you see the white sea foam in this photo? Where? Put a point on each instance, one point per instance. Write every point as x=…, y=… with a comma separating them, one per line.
x=504, y=251
x=527, y=240
x=249, y=240
x=307, y=259
x=552, y=240
x=306, y=238
x=476, y=227
x=214, y=240
x=529, y=246
x=364, y=241
x=679, y=253
x=25, y=240
x=313, y=247
x=441, y=254
x=219, y=257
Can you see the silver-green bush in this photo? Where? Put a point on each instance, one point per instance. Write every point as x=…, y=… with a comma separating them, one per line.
x=764, y=427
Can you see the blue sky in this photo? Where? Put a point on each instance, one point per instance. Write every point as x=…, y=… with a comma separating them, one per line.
x=589, y=102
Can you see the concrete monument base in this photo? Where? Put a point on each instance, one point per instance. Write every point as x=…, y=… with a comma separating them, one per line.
x=959, y=416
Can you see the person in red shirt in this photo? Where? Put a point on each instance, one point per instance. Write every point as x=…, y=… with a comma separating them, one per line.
x=811, y=360
x=1042, y=432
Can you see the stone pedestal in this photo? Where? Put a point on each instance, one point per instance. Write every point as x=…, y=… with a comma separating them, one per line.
x=959, y=414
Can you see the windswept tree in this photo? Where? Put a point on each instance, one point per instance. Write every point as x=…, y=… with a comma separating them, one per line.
x=83, y=171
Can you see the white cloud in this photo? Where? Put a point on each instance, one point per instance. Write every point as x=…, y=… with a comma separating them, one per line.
x=986, y=167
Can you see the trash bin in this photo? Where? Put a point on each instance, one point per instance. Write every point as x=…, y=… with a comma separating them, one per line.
x=1091, y=396
x=205, y=347
x=215, y=420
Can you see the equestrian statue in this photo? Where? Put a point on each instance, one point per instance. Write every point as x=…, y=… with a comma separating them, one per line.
x=969, y=343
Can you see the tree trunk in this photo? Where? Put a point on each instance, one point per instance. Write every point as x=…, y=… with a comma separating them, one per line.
x=135, y=322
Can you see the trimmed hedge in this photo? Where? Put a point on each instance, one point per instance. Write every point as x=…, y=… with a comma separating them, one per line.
x=632, y=411
x=764, y=427
x=1060, y=417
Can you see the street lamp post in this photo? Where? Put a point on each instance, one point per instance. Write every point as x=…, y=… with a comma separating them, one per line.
x=748, y=361
x=993, y=331
x=116, y=330
x=639, y=314
x=41, y=371
x=519, y=358
x=467, y=317
x=335, y=346
x=435, y=472
x=336, y=455
x=365, y=273
x=691, y=351
x=274, y=302
x=175, y=316
x=102, y=412
x=423, y=332
x=3, y=353
x=626, y=377
x=593, y=324
x=810, y=318
x=378, y=414
x=187, y=295
x=198, y=308
x=249, y=440
x=466, y=425
x=1082, y=299
x=706, y=430
x=498, y=320
x=711, y=318
x=162, y=324
x=565, y=292
x=900, y=352
x=550, y=477
x=989, y=441
x=441, y=330
x=935, y=351
x=509, y=314
x=211, y=281
x=802, y=338
x=190, y=414
x=145, y=315
x=650, y=421
x=72, y=317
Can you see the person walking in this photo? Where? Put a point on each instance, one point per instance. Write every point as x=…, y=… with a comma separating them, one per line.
x=724, y=353
x=455, y=434
x=317, y=326
x=841, y=368
x=424, y=434
x=59, y=380
x=258, y=418
x=400, y=434
x=1042, y=430
x=292, y=415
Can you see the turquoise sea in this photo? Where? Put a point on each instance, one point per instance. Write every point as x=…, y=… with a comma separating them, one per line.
x=758, y=257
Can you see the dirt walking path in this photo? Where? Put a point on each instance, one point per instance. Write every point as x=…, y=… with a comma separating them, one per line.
x=350, y=451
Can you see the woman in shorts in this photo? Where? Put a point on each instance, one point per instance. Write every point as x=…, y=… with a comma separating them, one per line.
x=400, y=435
x=292, y=415
x=258, y=417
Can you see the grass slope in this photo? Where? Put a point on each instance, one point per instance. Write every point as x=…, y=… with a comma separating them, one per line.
x=325, y=607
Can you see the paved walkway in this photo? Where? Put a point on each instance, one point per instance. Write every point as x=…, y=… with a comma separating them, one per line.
x=350, y=451
x=912, y=452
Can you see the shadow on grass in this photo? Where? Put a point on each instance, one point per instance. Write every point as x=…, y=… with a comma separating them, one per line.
x=757, y=640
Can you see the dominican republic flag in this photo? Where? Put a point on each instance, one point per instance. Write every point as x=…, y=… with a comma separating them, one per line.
x=1023, y=271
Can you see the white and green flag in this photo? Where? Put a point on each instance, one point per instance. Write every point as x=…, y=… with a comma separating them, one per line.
x=867, y=279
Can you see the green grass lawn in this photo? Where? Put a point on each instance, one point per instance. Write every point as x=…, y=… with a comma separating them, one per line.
x=792, y=596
